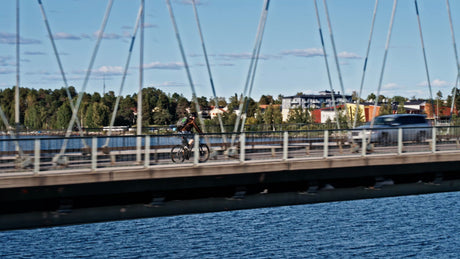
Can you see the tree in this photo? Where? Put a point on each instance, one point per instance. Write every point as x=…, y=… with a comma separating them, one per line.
x=33, y=117
x=64, y=114
x=438, y=99
x=371, y=97
x=399, y=99
x=299, y=115
x=279, y=100
x=401, y=108
x=385, y=109
x=268, y=115
x=234, y=103
x=266, y=99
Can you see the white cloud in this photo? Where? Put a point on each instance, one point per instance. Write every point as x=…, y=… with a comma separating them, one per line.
x=65, y=36
x=6, y=71
x=108, y=36
x=310, y=52
x=103, y=70
x=436, y=83
x=317, y=52
x=391, y=86
x=244, y=55
x=10, y=38
x=168, y=84
x=167, y=66
x=188, y=2
x=149, y=25
x=34, y=53
x=109, y=70
x=440, y=83
x=6, y=61
x=348, y=55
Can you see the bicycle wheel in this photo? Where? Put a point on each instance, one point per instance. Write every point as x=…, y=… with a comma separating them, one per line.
x=178, y=154
x=204, y=153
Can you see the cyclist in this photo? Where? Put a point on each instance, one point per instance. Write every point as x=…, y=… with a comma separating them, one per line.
x=187, y=129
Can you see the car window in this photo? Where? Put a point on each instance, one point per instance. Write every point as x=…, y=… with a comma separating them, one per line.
x=408, y=120
x=383, y=120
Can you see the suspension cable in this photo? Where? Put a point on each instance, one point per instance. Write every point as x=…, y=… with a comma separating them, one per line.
x=257, y=44
x=16, y=97
x=125, y=72
x=454, y=96
x=365, y=63
x=253, y=74
x=387, y=44
x=85, y=82
x=11, y=132
x=424, y=58
x=141, y=81
x=61, y=68
x=2, y=114
x=327, y=64
x=344, y=100
x=209, y=70
x=456, y=55
x=187, y=69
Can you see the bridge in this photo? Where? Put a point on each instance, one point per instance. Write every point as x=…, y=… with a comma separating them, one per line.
x=266, y=169
x=70, y=179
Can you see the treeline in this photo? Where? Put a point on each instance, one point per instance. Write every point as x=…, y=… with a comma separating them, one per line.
x=51, y=109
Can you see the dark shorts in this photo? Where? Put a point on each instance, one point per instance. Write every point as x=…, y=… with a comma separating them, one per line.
x=186, y=134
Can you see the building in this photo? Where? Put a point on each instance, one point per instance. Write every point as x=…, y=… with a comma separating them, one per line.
x=215, y=111
x=312, y=101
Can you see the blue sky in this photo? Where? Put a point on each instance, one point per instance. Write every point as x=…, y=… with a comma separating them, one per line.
x=291, y=56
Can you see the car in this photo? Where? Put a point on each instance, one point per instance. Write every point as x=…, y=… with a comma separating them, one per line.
x=385, y=129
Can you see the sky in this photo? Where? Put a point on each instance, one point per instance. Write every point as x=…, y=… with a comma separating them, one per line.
x=291, y=56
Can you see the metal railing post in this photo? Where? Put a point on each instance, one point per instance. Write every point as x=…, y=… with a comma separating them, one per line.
x=400, y=141
x=147, y=152
x=242, y=146
x=138, y=149
x=285, y=145
x=94, y=153
x=364, y=142
x=196, y=147
x=37, y=156
x=326, y=144
x=433, y=140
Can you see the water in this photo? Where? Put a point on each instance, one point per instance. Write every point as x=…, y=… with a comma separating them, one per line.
x=424, y=226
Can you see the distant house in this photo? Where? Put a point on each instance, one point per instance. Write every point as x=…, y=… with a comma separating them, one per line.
x=312, y=101
x=263, y=107
x=366, y=111
x=215, y=111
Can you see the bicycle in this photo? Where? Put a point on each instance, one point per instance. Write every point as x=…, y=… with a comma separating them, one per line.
x=181, y=152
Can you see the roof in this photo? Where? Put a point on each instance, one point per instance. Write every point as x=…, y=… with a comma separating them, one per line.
x=402, y=115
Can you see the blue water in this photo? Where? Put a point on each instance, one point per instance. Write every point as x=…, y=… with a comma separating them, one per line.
x=423, y=226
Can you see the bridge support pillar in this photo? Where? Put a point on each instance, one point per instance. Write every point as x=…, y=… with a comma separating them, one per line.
x=381, y=181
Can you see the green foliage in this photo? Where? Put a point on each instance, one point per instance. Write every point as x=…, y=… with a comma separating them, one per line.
x=401, y=108
x=299, y=115
x=64, y=114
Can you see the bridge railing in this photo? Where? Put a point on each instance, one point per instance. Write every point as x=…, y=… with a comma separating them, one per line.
x=41, y=153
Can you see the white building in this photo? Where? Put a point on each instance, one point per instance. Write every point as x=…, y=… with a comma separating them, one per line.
x=312, y=101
